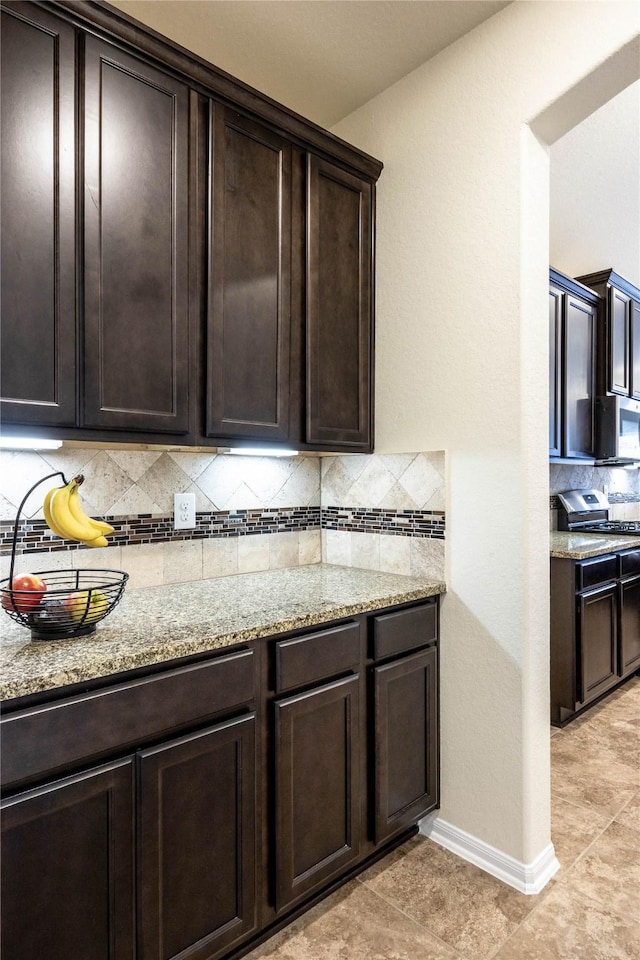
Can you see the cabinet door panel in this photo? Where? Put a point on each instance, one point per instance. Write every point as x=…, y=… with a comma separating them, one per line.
x=629, y=626
x=136, y=245
x=635, y=349
x=619, y=316
x=598, y=640
x=555, y=372
x=67, y=868
x=406, y=741
x=250, y=298
x=339, y=284
x=197, y=842
x=38, y=218
x=317, y=787
x=579, y=353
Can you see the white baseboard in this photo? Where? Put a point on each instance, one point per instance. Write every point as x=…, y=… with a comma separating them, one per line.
x=525, y=877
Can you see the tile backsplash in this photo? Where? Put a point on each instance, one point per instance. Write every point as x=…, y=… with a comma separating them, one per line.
x=379, y=512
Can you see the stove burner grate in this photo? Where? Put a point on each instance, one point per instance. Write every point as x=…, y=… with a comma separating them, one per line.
x=612, y=526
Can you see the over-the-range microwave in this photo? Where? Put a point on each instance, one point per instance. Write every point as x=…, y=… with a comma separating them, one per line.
x=617, y=430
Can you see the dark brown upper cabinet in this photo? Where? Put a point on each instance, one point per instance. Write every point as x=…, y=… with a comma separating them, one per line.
x=339, y=369
x=249, y=295
x=619, y=337
x=573, y=311
x=38, y=218
x=136, y=244
x=203, y=254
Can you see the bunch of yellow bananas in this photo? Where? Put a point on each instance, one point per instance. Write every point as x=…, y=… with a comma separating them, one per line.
x=66, y=518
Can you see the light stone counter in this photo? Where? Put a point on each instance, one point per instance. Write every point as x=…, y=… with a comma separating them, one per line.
x=574, y=546
x=157, y=624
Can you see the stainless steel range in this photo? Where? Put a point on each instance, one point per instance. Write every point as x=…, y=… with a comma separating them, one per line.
x=587, y=511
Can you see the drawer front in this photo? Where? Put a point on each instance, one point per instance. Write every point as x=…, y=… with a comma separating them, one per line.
x=59, y=736
x=404, y=630
x=317, y=656
x=629, y=563
x=590, y=573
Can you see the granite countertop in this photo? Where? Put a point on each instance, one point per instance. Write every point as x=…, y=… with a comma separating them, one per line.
x=580, y=546
x=156, y=624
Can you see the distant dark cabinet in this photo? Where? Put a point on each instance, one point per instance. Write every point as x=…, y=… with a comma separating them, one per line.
x=136, y=245
x=556, y=392
x=595, y=628
x=572, y=346
x=249, y=319
x=37, y=190
x=339, y=366
x=597, y=640
x=68, y=868
x=619, y=337
x=629, y=611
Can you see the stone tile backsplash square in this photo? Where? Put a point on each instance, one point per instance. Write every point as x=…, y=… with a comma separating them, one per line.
x=252, y=513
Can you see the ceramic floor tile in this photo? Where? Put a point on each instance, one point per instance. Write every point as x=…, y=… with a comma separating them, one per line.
x=579, y=774
x=630, y=815
x=353, y=924
x=573, y=830
x=609, y=872
x=565, y=927
x=612, y=741
x=460, y=904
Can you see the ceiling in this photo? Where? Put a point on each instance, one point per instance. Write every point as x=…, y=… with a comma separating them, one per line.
x=321, y=58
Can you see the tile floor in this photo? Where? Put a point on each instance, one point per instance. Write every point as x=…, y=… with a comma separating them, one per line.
x=423, y=903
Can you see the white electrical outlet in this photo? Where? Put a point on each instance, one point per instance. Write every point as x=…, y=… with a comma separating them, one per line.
x=184, y=511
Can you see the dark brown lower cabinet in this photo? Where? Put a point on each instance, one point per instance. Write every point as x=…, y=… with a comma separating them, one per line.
x=629, y=613
x=406, y=741
x=232, y=805
x=317, y=776
x=598, y=640
x=595, y=628
x=67, y=868
x=196, y=842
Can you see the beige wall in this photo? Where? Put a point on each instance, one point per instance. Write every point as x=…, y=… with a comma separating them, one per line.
x=462, y=259
x=595, y=191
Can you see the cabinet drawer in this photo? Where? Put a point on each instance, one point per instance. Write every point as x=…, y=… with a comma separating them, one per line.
x=589, y=573
x=62, y=735
x=629, y=563
x=318, y=656
x=395, y=633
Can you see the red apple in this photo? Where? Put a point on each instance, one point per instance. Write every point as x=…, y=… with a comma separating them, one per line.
x=28, y=590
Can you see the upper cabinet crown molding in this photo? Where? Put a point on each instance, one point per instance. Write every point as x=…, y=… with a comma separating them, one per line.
x=123, y=28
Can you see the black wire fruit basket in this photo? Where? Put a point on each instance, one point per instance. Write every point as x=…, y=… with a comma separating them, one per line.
x=60, y=604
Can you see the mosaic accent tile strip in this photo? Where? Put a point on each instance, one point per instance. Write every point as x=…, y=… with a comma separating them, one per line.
x=401, y=523
x=35, y=537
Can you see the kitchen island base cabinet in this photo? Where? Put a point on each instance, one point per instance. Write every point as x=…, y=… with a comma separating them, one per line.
x=67, y=868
